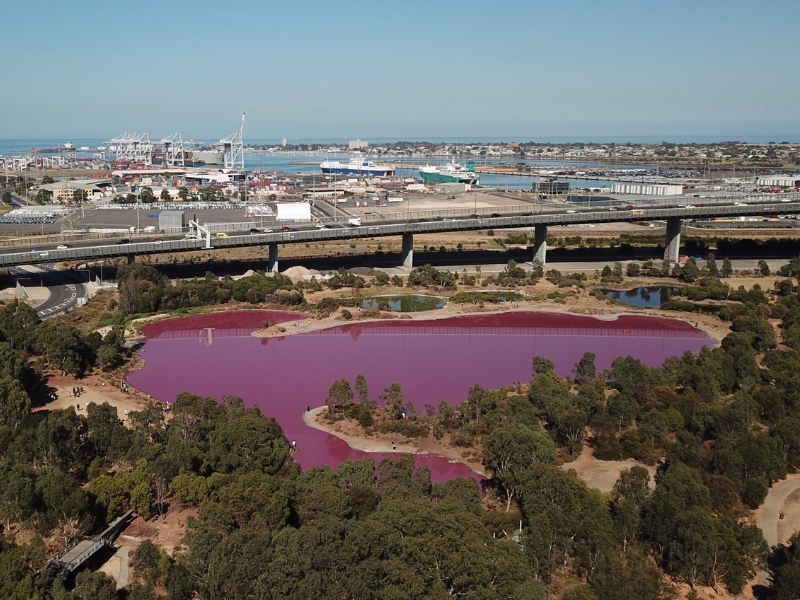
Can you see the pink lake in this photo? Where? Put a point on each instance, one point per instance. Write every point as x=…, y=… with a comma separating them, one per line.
x=215, y=355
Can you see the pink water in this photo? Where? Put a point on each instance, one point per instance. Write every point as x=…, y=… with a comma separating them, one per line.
x=214, y=355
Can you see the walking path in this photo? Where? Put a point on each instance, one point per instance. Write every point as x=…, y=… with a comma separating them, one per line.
x=779, y=501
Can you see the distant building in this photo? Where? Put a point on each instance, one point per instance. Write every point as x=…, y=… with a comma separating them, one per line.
x=550, y=186
x=782, y=181
x=647, y=189
x=357, y=144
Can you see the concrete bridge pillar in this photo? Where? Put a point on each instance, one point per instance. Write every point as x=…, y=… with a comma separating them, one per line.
x=272, y=261
x=131, y=258
x=672, y=245
x=408, y=250
x=540, y=244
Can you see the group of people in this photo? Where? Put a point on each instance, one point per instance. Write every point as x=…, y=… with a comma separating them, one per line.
x=77, y=391
x=52, y=396
x=123, y=387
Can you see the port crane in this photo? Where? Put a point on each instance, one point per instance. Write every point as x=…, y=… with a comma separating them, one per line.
x=233, y=148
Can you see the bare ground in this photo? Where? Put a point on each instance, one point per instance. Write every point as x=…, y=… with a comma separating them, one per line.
x=603, y=474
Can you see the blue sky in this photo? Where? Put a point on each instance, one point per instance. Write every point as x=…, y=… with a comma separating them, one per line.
x=402, y=70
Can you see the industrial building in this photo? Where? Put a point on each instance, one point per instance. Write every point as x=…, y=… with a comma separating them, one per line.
x=171, y=221
x=550, y=186
x=647, y=189
x=781, y=181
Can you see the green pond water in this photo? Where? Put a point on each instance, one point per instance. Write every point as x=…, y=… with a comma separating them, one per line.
x=405, y=303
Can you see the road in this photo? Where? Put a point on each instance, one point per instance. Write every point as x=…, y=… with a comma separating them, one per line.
x=65, y=287
x=773, y=507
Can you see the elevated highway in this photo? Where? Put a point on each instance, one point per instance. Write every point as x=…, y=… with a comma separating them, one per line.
x=564, y=214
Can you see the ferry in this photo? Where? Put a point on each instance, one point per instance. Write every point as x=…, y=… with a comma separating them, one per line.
x=356, y=166
x=452, y=172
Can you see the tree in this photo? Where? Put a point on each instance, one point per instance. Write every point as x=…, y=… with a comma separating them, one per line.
x=183, y=193
x=633, y=269
x=393, y=396
x=146, y=562
x=43, y=196
x=362, y=389
x=585, y=371
x=147, y=194
x=91, y=585
x=628, y=498
x=690, y=270
x=340, y=395
x=727, y=268
x=542, y=365
x=165, y=196
x=511, y=451
x=78, y=195
x=711, y=265
x=763, y=268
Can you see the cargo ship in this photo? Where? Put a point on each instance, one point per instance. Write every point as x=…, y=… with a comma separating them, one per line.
x=356, y=166
x=452, y=172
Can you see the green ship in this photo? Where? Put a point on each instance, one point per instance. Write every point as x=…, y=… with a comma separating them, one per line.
x=452, y=172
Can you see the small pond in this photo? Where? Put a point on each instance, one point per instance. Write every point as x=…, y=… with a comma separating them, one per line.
x=642, y=296
x=404, y=303
x=434, y=360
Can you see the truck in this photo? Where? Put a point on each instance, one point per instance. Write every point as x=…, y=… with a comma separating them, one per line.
x=354, y=222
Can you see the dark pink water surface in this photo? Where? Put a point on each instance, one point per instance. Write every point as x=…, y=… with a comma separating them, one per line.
x=215, y=355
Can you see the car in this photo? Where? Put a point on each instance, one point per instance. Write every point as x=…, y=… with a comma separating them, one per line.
x=268, y=231
x=124, y=241
x=34, y=250
x=572, y=210
x=254, y=230
x=630, y=207
x=286, y=228
x=438, y=218
x=494, y=215
x=612, y=208
x=157, y=240
x=422, y=220
x=474, y=216
x=63, y=247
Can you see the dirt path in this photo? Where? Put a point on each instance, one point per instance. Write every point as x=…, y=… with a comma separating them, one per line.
x=783, y=497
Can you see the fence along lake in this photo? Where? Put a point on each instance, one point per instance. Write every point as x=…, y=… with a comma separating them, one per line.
x=433, y=360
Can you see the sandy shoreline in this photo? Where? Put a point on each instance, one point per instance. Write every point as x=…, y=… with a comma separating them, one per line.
x=384, y=444
x=584, y=307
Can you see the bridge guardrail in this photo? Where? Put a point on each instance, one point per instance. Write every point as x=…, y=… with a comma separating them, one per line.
x=434, y=226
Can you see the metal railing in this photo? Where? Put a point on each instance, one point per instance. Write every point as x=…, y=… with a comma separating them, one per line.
x=370, y=230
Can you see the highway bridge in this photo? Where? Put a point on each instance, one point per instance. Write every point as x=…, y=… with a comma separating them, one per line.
x=561, y=214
